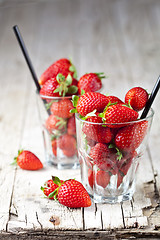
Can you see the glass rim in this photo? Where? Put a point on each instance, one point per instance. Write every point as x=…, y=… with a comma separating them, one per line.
x=149, y=116
x=52, y=97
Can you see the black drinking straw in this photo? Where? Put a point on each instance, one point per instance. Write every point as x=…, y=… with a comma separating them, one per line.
x=151, y=98
x=26, y=55
x=28, y=60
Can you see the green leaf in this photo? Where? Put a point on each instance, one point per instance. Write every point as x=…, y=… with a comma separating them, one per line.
x=101, y=115
x=48, y=105
x=72, y=68
x=52, y=193
x=82, y=92
x=60, y=78
x=69, y=80
x=75, y=100
x=56, y=180
x=74, y=110
x=72, y=89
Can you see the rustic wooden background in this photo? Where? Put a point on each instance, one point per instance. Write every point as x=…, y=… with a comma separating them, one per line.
x=118, y=37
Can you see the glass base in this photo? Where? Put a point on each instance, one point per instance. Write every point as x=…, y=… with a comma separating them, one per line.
x=67, y=163
x=113, y=199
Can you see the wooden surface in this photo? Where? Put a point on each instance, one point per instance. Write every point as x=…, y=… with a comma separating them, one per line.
x=119, y=37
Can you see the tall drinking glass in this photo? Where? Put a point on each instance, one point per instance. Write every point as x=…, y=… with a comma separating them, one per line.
x=109, y=156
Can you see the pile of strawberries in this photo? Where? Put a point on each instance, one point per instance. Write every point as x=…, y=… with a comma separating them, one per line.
x=58, y=84
x=111, y=135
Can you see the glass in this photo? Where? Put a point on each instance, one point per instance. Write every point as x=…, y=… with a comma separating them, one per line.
x=108, y=164
x=59, y=131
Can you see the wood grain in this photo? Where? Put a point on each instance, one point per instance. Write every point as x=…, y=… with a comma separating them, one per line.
x=118, y=37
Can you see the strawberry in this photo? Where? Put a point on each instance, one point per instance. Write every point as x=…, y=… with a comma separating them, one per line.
x=49, y=187
x=123, y=171
x=68, y=145
x=114, y=99
x=90, y=82
x=63, y=66
x=55, y=123
x=71, y=126
x=71, y=193
x=137, y=97
x=28, y=160
x=62, y=108
x=54, y=146
x=103, y=157
x=102, y=178
x=49, y=87
x=98, y=133
x=130, y=137
x=88, y=102
x=118, y=113
x=90, y=177
x=58, y=86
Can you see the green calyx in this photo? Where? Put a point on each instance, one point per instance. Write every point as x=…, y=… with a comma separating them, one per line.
x=15, y=158
x=75, y=99
x=57, y=181
x=61, y=122
x=102, y=115
x=118, y=153
x=128, y=105
x=65, y=85
x=101, y=75
x=72, y=68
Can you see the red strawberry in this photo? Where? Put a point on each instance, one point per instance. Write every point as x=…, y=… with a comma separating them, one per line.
x=49, y=87
x=119, y=114
x=102, y=178
x=137, y=97
x=98, y=133
x=123, y=171
x=72, y=194
x=130, y=137
x=103, y=157
x=90, y=142
x=58, y=86
x=89, y=102
x=54, y=146
x=68, y=144
x=71, y=126
x=28, y=160
x=91, y=177
x=62, y=108
x=55, y=123
x=90, y=82
x=49, y=187
x=113, y=99
x=63, y=66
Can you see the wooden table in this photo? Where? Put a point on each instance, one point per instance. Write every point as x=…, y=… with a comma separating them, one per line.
x=119, y=37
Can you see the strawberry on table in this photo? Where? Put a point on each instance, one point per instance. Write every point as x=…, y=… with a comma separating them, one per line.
x=71, y=193
x=63, y=66
x=28, y=160
x=62, y=108
x=90, y=82
x=49, y=187
x=137, y=97
x=130, y=137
